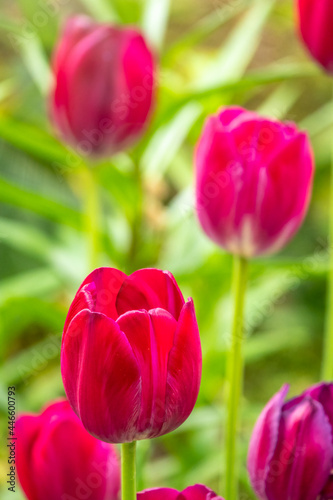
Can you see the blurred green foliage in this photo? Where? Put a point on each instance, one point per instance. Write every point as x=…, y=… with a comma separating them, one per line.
x=210, y=54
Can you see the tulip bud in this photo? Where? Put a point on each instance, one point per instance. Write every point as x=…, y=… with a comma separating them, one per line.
x=58, y=459
x=315, y=26
x=291, y=449
x=103, y=86
x=196, y=492
x=253, y=181
x=131, y=355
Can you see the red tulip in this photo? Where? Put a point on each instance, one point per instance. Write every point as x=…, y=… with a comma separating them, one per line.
x=315, y=26
x=103, y=86
x=196, y=492
x=253, y=181
x=291, y=449
x=58, y=459
x=131, y=355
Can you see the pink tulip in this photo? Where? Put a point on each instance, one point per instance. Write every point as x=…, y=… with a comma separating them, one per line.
x=253, y=181
x=196, y=492
x=58, y=459
x=131, y=355
x=291, y=449
x=103, y=86
x=315, y=26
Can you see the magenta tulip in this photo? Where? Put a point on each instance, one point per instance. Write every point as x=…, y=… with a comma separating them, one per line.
x=253, y=181
x=58, y=459
x=291, y=449
x=196, y=492
x=315, y=26
x=104, y=83
x=131, y=355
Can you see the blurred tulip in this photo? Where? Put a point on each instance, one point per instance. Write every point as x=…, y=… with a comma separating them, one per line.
x=291, y=449
x=131, y=355
x=253, y=181
x=315, y=26
x=58, y=459
x=103, y=86
x=196, y=492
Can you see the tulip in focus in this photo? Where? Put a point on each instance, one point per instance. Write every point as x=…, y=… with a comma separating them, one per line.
x=253, y=181
x=103, y=90
x=315, y=26
x=291, y=449
x=58, y=459
x=131, y=355
x=196, y=492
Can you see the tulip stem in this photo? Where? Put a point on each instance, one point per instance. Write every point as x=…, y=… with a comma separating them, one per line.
x=91, y=200
x=128, y=471
x=327, y=364
x=235, y=377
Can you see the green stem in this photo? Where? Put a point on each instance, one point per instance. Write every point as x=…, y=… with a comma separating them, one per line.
x=128, y=471
x=327, y=364
x=235, y=378
x=137, y=217
x=92, y=216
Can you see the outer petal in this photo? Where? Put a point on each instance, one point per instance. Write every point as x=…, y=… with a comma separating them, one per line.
x=303, y=456
x=97, y=293
x=315, y=27
x=199, y=492
x=159, y=494
x=264, y=441
x=288, y=186
x=63, y=460
x=101, y=377
x=151, y=336
x=184, y=370
x=150, y=289
x=27, y=430
x=323, y=393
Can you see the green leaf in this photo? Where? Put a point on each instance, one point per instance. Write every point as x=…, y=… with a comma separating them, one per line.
x=102, y=10
x=168, y=139
x=203, y=29
x=234, y=56
x=155, y=21
x=17, y=196
x=37, y=142
x=34, y=283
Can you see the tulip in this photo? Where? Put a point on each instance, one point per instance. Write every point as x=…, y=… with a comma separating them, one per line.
x=315, y=26
x=58, y=459
x=253, y=181
x=131, y=355
x=291, y=449
x=103, y=89
x=196, y=492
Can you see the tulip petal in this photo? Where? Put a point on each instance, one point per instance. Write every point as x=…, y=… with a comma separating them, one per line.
x=303, y=456
x=283, y=174
x=87, y=465
x=97, y=293
x=159, y=494
x=264, y=441
x=27, y=429
x=323, y=393
x=151, y=337
x=150, y=289
x=184, y=370
x=108, y=403
x=199, y=492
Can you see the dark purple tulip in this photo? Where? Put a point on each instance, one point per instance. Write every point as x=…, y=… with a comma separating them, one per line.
x=291, y=449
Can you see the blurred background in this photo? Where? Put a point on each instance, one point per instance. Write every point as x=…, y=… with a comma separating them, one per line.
x=210, y=54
